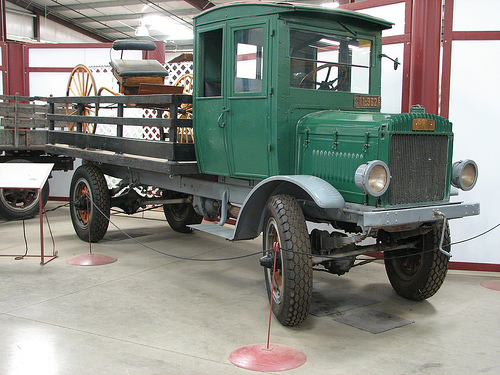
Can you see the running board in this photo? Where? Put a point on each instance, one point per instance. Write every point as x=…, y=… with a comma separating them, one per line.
x=217, y=230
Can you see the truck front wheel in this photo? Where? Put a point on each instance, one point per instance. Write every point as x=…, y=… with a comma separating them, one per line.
x=90, y=203
x=417, y=274
x=286, y=236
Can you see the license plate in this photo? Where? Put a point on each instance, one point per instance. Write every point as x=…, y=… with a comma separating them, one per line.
x=367, y=101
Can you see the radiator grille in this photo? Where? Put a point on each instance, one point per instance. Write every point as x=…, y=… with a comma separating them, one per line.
x=418, y=167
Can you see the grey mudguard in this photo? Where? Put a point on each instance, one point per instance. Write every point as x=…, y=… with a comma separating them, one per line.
x=302, y=187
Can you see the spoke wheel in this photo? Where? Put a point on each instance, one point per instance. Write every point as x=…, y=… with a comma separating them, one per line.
x=88, y=191
x=417, y=274
x=285, y=234
x=81, y=83
x=186, y=81
x=185, y=110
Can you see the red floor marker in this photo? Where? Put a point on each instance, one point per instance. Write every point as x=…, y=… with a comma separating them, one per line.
x=91, y=260
x=259, y=358
x=492, y=284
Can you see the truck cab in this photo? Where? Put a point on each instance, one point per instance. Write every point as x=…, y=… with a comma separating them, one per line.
x=262, y=67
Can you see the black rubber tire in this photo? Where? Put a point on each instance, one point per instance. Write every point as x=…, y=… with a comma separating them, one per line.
x=19, y=204
x=179, y=216
x=88, y=179
x=284, y=224
x=418, y=277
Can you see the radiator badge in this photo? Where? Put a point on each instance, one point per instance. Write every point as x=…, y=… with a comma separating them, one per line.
x=367, y=101
x=424, y=124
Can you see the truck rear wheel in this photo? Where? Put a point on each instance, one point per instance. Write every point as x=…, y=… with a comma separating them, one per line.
x=18, y=204
x=179, y=216
x=285, y=234
x=91, y=203
x=417, y=274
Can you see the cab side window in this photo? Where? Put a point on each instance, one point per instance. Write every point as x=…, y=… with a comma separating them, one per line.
x=249, y=60
x=211, y=44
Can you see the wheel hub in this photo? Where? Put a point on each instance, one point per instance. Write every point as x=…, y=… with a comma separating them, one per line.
x=19, y=198
x=83, y=203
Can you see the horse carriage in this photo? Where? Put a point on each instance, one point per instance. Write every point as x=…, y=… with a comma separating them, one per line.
x=134, y=77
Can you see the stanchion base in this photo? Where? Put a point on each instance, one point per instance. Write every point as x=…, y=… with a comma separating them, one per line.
x=259, y=358
x=492, y=284
x=91, y=260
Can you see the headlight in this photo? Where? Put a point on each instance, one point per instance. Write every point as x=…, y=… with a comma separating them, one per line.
x=373, y=177
x=464, y=174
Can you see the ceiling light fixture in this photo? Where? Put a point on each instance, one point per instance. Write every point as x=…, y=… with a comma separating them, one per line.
x=141, y=30
x=332, y=5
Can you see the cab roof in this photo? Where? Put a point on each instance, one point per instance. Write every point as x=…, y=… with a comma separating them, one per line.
x=244, y=9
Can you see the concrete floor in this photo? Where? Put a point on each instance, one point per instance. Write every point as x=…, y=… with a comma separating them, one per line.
x=152, y=314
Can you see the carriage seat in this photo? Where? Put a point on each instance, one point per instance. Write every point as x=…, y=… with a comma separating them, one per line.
x=136, y=68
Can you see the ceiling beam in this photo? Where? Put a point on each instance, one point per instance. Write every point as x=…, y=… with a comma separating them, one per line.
x=60, y=19
x=100, y=4
x=201, y=4
x=132, y=16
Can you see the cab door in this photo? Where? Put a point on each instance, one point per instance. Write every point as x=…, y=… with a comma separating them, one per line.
x=245, y=116
x=210, y=100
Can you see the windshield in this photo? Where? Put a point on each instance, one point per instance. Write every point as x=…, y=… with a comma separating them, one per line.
x=329, y=62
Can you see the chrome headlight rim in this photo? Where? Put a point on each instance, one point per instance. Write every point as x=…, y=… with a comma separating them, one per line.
x=364, y=178
x=461, y=176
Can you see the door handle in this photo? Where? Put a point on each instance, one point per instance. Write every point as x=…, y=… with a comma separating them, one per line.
x=220, y=122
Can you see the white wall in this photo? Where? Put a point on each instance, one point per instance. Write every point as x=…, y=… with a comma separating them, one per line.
x=474, y=101
x=51, y=31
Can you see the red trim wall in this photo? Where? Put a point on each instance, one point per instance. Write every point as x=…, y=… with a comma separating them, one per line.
x=462, y=266
x=467, y=266
x=16, y=63
x=3, y=22
x=425, y=54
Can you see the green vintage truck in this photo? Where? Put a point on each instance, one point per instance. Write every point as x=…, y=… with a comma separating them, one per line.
x=288, y=131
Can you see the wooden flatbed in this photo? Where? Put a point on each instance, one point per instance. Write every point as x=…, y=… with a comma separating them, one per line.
x=27, y=126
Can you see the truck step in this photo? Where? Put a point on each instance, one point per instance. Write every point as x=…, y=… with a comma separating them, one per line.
x=217, y=230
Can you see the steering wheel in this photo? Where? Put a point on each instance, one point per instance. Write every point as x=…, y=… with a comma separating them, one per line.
x=326, y=84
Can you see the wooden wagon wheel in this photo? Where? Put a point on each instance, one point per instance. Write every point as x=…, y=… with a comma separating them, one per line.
x=185, y=110
x=186, y=80
x=81, y=83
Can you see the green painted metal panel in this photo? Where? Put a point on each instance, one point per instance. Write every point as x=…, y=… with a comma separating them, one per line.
x=248, y=138
x=211, y=147
x=245, y=10
x=209, y=104
x=333, y=144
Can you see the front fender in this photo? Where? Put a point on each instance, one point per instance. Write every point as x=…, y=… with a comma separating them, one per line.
x=311, y=188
